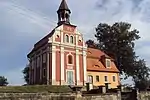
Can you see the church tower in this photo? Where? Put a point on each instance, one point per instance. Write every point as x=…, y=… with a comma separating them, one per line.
x=63, y=13
x=60, y=57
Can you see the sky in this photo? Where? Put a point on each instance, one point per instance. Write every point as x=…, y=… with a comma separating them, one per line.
x=24, y=22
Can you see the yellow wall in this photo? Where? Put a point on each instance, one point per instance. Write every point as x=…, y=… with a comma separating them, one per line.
x=102, y=79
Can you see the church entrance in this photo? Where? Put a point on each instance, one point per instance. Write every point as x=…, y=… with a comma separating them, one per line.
x=70, y=77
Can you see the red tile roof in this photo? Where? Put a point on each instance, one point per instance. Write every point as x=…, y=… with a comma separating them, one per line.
x=94, y=62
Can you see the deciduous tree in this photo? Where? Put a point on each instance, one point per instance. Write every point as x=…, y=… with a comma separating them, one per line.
x=26, y=74
x=118, y=41
x=3, y=81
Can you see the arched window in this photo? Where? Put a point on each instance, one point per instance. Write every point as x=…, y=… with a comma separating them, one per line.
x=67, y=38
x=71, y=39
x=70, y=59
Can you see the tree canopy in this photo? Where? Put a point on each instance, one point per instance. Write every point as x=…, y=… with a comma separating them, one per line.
x=91, y=44
x=141, y=75
x=118, y=41
x=3, y=81
x=26, y=74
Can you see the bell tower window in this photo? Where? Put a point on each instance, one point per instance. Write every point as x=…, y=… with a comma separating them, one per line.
x=67, y=39
x=71, y=39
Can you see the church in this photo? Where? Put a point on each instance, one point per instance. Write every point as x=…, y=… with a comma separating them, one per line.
x=62, y=57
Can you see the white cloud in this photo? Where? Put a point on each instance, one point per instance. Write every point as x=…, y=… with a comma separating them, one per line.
x=28, y=22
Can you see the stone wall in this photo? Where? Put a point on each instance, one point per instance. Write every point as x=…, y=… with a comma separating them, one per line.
x=100, y=97
x=135, y=95
x=144, y=95
x=52, y=96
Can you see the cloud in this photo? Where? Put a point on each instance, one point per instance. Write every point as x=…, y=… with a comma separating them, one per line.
x=24, y=22
x=20, y=29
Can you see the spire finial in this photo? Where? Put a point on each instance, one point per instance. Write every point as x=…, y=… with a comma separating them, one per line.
x=63, y=6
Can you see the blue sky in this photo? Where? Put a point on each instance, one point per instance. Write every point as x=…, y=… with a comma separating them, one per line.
x=24, y=22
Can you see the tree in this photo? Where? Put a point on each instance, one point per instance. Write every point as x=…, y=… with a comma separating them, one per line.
x=3, y=81
x=26, y=74
x=119, y=40
x=91, y=44
x=141, y=77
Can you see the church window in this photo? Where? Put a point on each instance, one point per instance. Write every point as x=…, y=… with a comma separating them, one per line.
x=71, y=39
x=44, y=72
x=44, y=58
x=67, y=38
x=70, y=59
x=38, y=61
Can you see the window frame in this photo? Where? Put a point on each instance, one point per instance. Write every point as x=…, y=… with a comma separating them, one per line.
x=44, y=72
x=38, y=61
x=70, y=55
x=114, y=78
x=67, y=38
x=106, y=78
x=108, y=60
x=89, y=79
x=97, y=78
x=44, y=57
x=71, y=39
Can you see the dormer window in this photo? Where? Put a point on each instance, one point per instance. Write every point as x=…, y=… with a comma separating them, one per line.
x=70, y=59
x=108, y=63
x=71, y=39
x=67, y=38
x=97, y=66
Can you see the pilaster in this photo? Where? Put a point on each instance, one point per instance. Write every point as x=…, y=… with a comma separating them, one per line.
x=84, y=66
x=53, y=64
x=77, y=67
x=48, y=73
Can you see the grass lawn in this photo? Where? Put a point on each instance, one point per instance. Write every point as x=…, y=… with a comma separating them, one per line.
x=35, y=89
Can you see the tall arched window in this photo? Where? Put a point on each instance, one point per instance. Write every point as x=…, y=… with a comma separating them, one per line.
x=71, y=39
x=67, y=38
x=70, y=59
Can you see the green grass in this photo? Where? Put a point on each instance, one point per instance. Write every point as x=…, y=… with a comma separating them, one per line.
x=35, y=89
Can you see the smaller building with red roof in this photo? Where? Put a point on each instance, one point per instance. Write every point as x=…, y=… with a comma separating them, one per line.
x=101, y=69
